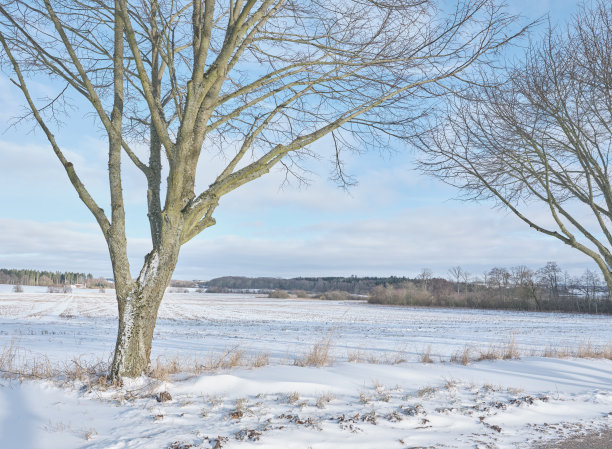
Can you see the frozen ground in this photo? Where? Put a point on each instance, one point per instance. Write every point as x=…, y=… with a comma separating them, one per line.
x=497, y=404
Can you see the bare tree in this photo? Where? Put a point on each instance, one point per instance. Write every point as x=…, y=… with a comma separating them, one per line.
x=548, y=276
x=589, y=284
x=457, y=274
x=255, y=81
x=425, y=276
x=465, y=276
x=524, y=281
x=498, y=279
x=520, y=275
x=540, y=134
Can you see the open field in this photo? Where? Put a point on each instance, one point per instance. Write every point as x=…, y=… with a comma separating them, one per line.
x=241, y=383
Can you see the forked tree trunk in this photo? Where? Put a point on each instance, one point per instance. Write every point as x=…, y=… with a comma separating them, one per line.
x=138, y=305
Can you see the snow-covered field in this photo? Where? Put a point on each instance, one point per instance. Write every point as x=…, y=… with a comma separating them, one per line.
x=488, y=404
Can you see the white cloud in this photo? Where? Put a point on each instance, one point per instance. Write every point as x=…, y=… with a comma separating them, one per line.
x=52, y=246
x=394, y=222
x=473, y=237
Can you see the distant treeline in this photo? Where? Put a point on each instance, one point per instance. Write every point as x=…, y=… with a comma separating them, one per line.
x=519, y=288
x=46, y=278
x=548, y=288
x=354, y=285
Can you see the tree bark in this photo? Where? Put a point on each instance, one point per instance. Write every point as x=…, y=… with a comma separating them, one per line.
x=138, y=305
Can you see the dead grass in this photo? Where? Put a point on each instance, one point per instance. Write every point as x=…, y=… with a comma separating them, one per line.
x=463, y=357
x=290, y=398
x=364, y=398
x=450, y=384
x=19, y=363
x=585, y=350
x=89, y=434
x=426, y=392
x=510, y=350
x=357, y=356
x=164, y=368
x=258, y=360
x=324, y=399
x=240, y=409
x=505, y=351
x=319, y=355
x=426, y=356
x=395, y=358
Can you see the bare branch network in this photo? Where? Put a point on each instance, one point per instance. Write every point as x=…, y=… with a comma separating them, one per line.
x=540, y=132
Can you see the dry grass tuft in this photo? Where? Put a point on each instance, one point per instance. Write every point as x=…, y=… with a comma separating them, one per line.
x=585, y=350
x=397, y=357
x=589, y=351
x=426, y=356
x=290, y=398
x=556, y=353
x=90, y=434
x=510, y=350
x=258, y=360
x=324, y=399
x=17, y=363
x=356, y=356
x=164, y=368
x=491, y=353
x=505, y=351
x=364, y=398
x=231, y=358
x=319, y=355
x=240, y=409
x=463, y=357
x=428, y=392
x=450, y=384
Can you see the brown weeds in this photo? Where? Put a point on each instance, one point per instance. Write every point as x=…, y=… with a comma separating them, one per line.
x=319, y=355
x=426, y=356
x=463, y=357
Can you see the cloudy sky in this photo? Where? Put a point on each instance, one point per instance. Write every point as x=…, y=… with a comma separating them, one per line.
x=394, y=222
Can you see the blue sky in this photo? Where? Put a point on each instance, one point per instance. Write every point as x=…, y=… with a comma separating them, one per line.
x=394, y=222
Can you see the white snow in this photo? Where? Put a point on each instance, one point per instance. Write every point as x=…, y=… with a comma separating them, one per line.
x=149, y=269
x=495, y=404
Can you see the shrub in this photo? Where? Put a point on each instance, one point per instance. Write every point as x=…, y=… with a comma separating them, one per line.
x=17, y=288
x=301, y=293
x=281, y=294
x=215, y=289
x=407, y=295
x=336, y=295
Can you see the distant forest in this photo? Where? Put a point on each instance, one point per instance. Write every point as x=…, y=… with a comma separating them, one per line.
x=43, y=278
x=354, y=285
x=548, y=288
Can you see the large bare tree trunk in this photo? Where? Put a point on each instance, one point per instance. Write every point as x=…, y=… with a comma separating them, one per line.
x=138, y=304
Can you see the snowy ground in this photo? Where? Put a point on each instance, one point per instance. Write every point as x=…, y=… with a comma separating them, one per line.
x=492, y=404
